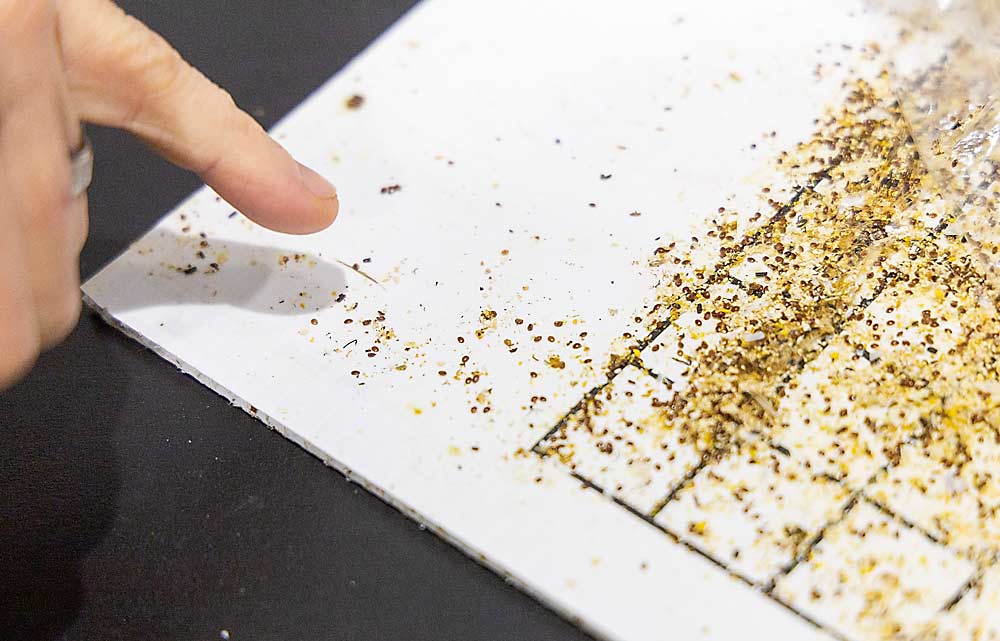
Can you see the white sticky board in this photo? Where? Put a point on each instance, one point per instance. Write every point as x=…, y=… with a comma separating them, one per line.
x=497, y=120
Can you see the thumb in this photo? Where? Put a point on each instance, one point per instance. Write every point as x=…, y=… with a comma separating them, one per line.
x=122, y=74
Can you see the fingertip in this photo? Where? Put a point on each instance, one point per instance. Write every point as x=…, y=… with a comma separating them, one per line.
x=308, y=203
x=315, y=184
x=299, y=216
x=317, y=216
x=289, y=208
x=272, y=189
x=330, y=207
x=324, y=194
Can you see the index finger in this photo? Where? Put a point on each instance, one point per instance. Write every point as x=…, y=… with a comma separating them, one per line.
x=124, y=75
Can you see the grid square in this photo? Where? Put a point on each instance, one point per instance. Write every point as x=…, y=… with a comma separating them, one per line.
x=949, y=484
x=871, y=578
x=620, y=441
x=976, y=616
x=838, y=421
x=755, y=511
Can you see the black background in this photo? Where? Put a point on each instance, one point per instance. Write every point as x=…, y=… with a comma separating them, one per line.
x=136, y=504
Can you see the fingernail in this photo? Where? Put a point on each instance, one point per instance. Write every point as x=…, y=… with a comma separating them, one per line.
x=316, y=184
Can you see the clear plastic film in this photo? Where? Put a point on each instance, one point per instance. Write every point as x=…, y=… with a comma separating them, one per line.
x=947, y=77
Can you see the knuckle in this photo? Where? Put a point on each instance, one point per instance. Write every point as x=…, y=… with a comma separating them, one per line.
x=156, y=66
x=235, y=120
x=239, y=124
x=245, y=123
x=142, y=63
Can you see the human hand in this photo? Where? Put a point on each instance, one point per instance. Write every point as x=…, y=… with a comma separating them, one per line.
x=67, y=61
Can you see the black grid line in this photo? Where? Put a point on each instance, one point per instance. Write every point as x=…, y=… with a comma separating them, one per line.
x=902, y=520
x=679, y=485
x=973, y=581
x=813, y=543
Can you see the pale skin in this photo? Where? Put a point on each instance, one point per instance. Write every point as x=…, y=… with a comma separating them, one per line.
x=63, y=62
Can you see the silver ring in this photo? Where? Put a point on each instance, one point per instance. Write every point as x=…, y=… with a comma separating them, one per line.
x=81, y=167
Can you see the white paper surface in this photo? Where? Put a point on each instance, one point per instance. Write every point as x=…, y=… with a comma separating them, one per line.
x=497, y=121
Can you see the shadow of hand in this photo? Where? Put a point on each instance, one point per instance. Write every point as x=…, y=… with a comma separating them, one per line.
x=190, y=270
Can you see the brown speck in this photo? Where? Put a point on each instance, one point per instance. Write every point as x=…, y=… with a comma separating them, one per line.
x=355, y=101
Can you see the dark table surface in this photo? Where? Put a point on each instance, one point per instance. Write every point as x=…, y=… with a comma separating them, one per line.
x=136, y=504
